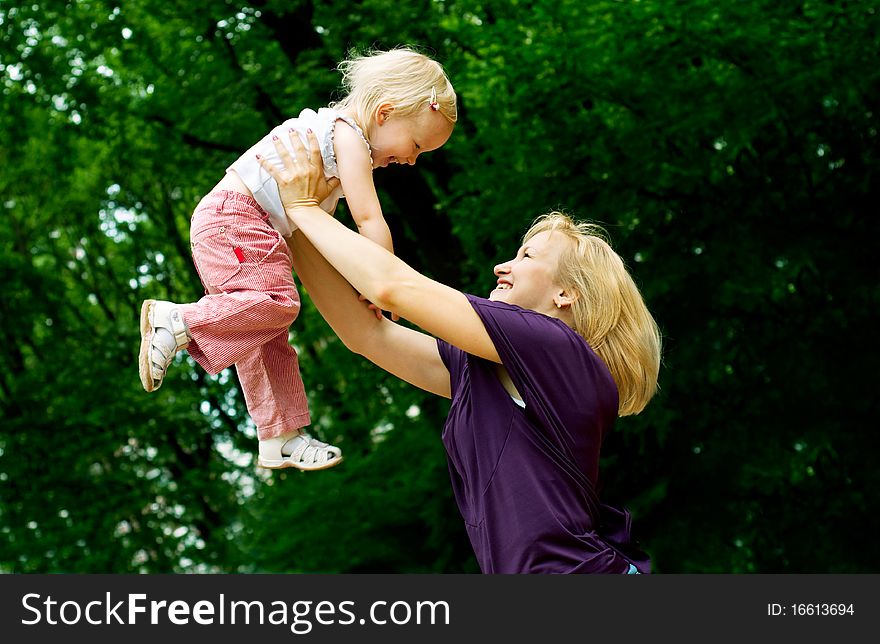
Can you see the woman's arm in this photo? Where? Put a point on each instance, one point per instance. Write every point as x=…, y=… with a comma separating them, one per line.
x=408, y=354
x=380, y=276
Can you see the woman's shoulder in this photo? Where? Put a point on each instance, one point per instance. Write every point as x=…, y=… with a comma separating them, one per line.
x=544, y=347
x=513, y=314
x=529, y=329
x=525, y=328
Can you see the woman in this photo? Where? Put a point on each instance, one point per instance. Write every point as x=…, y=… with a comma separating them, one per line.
x=537, y=373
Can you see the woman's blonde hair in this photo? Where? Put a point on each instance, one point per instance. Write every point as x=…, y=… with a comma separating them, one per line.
x=609, y=312
x=403, y=77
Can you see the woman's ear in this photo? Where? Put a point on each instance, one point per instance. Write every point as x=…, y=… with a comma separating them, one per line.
x=563, y=300
x=383, y=112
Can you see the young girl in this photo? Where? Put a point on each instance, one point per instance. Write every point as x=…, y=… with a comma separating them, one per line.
x=399, y=104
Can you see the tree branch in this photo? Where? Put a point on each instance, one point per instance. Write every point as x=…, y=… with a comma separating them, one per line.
x=191, y=139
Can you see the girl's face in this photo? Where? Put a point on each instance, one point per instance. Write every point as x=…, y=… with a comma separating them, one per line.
x=398, y=139
x=529, y=279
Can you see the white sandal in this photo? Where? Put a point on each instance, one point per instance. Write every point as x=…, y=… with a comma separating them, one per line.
x=155, y=356
x=307, y=454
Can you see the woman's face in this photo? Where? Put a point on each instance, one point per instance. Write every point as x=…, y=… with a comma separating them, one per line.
x=529, y=279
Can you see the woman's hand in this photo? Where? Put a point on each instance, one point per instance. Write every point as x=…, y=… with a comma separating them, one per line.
x=301, y=181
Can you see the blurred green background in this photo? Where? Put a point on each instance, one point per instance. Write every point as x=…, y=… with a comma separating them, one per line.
x=730, y=148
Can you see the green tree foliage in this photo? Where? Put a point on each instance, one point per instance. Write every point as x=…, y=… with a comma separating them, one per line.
x=730, y=149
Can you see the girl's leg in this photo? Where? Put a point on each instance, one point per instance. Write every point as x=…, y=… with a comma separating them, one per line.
x=250, y=302
x=250, y=296
x=276, y=400
x=273, y=389
x=245, y=267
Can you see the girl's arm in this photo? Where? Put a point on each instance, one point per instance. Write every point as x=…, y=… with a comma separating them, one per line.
x=408, y=354
x=380, y=276
x=356, y=174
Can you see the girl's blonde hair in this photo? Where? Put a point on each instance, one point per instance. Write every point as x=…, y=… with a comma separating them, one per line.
x=403, y=77
x=609, y=312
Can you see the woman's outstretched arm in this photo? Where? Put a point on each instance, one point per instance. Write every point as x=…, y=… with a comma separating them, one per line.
x=408, y=354
x=381, y=277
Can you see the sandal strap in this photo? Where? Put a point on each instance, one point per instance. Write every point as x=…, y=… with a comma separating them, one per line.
x=310, y=454
x=178, y=328
x=301, y=446
x=310, y=451
x=161, y=351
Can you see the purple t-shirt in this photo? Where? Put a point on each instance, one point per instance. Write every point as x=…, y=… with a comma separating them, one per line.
x=525, y=478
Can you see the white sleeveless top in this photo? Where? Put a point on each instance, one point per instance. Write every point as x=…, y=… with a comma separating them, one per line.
x=263, y=186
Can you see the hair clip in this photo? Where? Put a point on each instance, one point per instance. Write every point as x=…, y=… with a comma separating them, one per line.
x=433, y=104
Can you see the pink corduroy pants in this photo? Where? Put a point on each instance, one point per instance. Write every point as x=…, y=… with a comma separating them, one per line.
x=250, y=302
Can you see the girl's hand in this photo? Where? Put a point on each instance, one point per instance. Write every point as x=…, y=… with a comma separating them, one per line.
x=301, y=181
x=376, y=310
